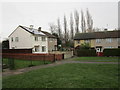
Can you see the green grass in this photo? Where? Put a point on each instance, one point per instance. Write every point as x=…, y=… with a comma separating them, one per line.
x=24, y=63
x=97, y=59
x=67, y=76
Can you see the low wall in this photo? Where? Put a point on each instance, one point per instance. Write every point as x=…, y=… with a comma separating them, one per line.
x=67, y=54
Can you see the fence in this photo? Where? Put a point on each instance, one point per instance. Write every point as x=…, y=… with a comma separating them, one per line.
x=15, y=61
x=16, y=50
x=30, y=56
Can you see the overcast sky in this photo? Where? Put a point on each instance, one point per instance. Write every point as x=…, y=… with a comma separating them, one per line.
x=40, y=14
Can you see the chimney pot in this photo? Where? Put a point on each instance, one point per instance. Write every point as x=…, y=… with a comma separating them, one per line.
x=31, y=26
x=39, y=29
x=105, y=29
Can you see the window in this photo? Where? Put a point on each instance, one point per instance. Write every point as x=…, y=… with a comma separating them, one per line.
x=87, y=41
x=109, y=40
x=43, y=38
x=109, y=47
x=43, y=48
x=78, y=42
x=16, y=39
x=36, y=38
x=98, y=40
x=11, y=39
x=51, y=39
x=13, y=47
x=36, y=48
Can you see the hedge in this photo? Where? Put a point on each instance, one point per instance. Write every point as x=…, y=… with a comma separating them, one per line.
x=86, y=52
x=111, y=52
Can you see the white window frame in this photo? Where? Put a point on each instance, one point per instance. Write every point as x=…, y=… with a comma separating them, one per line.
x=16, y=39
x=43, y=48
x=36, y=48
x=109, y=40
x=36, y=38
x=43, y=38
x=98, y=40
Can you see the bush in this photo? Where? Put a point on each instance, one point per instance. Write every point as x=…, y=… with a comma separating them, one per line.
x=86, y=52
x=111, y=52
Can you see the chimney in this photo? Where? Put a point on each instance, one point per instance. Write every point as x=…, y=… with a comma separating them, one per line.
x=105, y=29
x=31, y=27
x=39, y=29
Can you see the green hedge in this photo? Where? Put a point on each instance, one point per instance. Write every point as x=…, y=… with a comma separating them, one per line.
x=86, y=52
x=111, y=52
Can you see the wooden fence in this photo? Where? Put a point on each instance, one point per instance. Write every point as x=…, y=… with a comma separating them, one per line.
x=30, y=56
x=16, y=50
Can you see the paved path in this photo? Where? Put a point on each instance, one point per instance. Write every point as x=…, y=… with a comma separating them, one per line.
x=19, y=71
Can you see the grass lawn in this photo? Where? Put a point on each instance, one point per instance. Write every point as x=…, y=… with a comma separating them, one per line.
x=25, y=63
x=97, y=59
x=67, y=76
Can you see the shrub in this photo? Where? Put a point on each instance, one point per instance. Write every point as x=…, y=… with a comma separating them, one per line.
x=86, y=52
x=111, y=52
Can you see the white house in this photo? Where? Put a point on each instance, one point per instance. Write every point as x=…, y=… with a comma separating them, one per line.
x=29, y=38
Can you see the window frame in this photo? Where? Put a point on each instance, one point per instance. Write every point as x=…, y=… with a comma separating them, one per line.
x=12, y=39
x=43, y=38
x=16, y=39
x=36, y=38
x=37, y=49
x=43, y=48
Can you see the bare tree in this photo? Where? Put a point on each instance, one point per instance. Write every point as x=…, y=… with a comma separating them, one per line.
x=76, y=16
x=59, y=28
x=71, y=27
x=83, y=23
x=89, y=21
x=65, y=29
x=53, y=28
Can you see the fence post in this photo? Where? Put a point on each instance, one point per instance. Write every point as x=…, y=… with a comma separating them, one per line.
x=11, y=64
x=2, y=65
x=44, y=58
x=54, y=58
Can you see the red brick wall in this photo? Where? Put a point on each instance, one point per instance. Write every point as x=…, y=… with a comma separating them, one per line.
x=30, y=56
x=59, y=56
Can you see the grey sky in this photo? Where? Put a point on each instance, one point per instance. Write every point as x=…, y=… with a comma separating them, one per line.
x=43, y=13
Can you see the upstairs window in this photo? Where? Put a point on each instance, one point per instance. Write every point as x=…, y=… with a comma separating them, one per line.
x=78, y=42
x=16, y=39
x=98, y=40
x=36, y=38
x=109, y=40
x=43, y=39
x=87, y=41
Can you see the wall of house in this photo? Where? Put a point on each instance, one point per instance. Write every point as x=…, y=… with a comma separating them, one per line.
x=40, y=43
x=51, y=44
x=76, y=43
x=115, y=42
x=24, y=39
x=27, y=40
x=106, y=44
x=92, y=43
x=118, y=41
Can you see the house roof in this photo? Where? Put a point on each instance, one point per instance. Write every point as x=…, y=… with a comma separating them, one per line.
x=36, y=32
x=97, y=35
